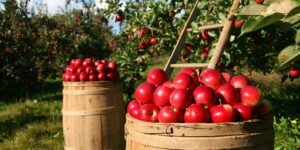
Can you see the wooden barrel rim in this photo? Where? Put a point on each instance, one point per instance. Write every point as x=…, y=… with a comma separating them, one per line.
x=223, y=142
x=90, y=92
x=89, y=83
x=199, y=129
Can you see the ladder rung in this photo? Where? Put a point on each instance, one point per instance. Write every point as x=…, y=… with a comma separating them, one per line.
x=207, y=27
x=189, y=65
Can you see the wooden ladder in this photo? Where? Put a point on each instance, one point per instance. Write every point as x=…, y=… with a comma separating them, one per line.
x=224, y=36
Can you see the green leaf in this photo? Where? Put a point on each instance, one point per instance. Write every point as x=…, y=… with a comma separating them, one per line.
x=250, y=10
x=293, y=12
x=288, y=55
x=260, y=22
x=297, y=38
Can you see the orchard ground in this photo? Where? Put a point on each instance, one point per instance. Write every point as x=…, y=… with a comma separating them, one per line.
x=36, y=123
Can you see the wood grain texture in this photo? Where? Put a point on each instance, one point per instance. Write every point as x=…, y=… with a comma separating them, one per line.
x=93, y=115
x=253, y=134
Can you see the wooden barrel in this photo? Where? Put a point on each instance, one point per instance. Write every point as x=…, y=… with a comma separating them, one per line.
x=93, y=116
x=253, y=134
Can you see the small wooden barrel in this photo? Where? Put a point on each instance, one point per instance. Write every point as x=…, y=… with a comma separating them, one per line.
x=93, y=116
x=253, y=134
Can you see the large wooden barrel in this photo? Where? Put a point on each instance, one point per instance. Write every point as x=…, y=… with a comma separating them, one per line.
x=253, y=134
x=93, y=116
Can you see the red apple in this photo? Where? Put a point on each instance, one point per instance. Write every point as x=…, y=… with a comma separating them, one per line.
x=228, y=94
x=191, y=72
x=184, y=81
x=100, y=68
x=101, y=76
x=161, y=95
x=294, y=73
x=70, y=70
x=83, y=77
x=119, y=18
x=143, y=44
x=112, y=66
x=204, y=95
x=97, y=62
x=112, y=75
x=226, y=77
x=204, y=54
x=87, y=62
x=250, y=96
x=169, y=114
x=104, y=62
x=222, y=113
x=72, y=63
x=153, y=41
x=264, y=108
x=168, y=83
x=92, y=77
x=239, y=81
x=243, y=112
x=133, y=108
x=89, y=70
x=259, y=1
x=238, y=24
x=211, y=78
x=195, y=113
x=80, y=70
x=66, y=77
x=157, y=77
x=180, y=98
x=146, y=30
x=139, y=32
x=205, y=35
x=144, y=93
x=149, y=113
x=74, y=77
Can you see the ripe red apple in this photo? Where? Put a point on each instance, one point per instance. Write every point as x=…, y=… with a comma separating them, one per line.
x=243, y=112
x=259, y=1
x=195, y=113
x=184, y=81
x=264, y=108
x=70, y=70
x=104, y=62
x=133, y=108
x=188, y=47
x=153, y=41
x=89, y=70
x=239, y=81
x=191, y=72
x=211, y=78
x=112, y=66
x=157, y=77
x=87, y=62
x=100, y=68
x=168, y=83
x=74, y=77
x=112, y=75
x=294, y=73
x=161, y=95
x=139, y=32
x=97, y=62
x=146, y=30
x=72, y=62
x=144, y=93
x=238, y=24
x=169, y=114
x=205, y=96
x=204, y=54
x=143, y=44
x=83, y=77
x=92, y=77
x=119, y=18
x=226, y=77
x=205, y=35
x=222, y=113
x=228, y=94
x=250, y=96
x=77, y=63
x=149, y=113
x=180, y=98
x=101, y=76
x=80, y=70
x=66, y=77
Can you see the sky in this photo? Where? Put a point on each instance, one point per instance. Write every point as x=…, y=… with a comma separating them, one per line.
x=57, y=6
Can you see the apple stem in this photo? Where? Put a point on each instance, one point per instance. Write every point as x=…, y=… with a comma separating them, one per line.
x=220, y=101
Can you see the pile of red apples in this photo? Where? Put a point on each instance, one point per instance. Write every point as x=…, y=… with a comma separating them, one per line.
x=211, y=96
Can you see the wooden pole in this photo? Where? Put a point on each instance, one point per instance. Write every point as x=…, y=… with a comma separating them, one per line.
x=225, y=34
x=207, y=27
x=180, y=43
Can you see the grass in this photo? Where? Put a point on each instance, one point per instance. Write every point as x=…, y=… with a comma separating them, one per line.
x=36, y=123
